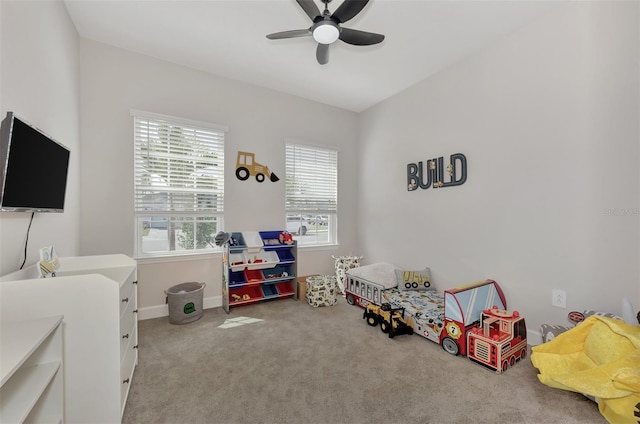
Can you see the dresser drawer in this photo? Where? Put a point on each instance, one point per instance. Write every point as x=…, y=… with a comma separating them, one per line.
x=127, y=328
x=133, y=277
x=127, y=295
x=127, y=366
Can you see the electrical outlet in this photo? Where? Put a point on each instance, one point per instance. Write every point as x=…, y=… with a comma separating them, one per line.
x=559, y=298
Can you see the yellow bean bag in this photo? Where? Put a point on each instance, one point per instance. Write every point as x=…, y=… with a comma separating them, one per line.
x=600, y=357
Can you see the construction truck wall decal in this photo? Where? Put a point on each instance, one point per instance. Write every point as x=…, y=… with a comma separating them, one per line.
x=246, y=167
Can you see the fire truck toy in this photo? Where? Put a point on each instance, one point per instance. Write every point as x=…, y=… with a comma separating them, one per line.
x=391, y=320
x=499, y=341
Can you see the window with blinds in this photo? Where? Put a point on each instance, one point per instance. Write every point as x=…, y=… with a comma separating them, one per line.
x=178, y=184
x=311, y=194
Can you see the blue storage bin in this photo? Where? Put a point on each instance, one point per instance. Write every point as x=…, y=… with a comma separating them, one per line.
x=286, y=255
x=239, y=242
x=277, y=273
x=270, y=235
x=269, y=291
x=236, y=278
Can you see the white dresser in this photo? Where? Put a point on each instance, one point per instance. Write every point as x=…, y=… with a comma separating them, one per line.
x=98, y=297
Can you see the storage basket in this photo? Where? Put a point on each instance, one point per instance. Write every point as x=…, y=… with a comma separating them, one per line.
x=185, y=302
x=321, y=290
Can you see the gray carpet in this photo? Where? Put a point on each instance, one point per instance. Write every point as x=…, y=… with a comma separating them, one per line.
x=326, y=365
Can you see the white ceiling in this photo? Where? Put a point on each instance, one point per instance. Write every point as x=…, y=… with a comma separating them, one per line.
x=227, y=38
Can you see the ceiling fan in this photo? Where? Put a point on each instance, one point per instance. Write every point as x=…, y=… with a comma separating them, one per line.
x=326, y=27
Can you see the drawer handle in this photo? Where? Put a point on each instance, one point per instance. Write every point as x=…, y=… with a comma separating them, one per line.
x=135, y=347
x=126, y=299
x=126, y=381
x=126, y=336
x=135, y=311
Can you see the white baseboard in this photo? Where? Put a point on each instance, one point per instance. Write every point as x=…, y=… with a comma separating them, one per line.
x=534, y=338
x=159, y=311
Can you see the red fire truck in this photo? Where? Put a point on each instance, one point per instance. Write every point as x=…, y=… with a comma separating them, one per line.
x=499, y=341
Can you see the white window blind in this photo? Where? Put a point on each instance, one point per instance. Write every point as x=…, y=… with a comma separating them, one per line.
x=178, y=168
x=178, y=184
x=312, y=179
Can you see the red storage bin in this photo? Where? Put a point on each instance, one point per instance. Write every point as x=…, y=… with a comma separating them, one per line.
x=286, y=288
x=244, y=295
x=253, y=276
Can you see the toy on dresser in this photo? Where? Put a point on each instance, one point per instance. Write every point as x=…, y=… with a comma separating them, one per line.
x=49, y=262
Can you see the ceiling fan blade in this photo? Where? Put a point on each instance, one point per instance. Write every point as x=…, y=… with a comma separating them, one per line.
x=322, y=53
x=360, y=38
x=348, y=9
x=310, y=8
x=289, y=34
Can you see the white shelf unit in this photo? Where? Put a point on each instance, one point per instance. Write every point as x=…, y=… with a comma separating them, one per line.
x=98, y=297
x=31, y=371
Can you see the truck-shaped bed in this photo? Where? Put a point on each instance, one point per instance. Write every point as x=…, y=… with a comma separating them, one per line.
x=442, y=317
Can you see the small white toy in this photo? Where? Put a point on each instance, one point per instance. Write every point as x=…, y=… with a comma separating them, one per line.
x=49, y=262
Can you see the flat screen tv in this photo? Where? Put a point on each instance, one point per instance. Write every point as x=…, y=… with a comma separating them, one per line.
x=34, y=168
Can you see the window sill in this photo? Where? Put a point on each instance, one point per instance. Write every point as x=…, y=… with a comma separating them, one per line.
x=312, y=247
x=183, y=257
x=180, y=257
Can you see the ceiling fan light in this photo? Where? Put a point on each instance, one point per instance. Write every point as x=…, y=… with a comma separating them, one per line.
x=325, y=33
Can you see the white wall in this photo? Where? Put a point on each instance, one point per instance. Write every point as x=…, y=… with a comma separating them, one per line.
x=39, y=81
x=113, y=81
x=548, y=121
x=547, y=117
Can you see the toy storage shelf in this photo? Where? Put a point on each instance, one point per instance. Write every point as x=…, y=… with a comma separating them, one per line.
x=256, y=268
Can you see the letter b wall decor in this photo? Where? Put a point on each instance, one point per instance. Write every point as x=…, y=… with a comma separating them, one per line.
x=434, y=174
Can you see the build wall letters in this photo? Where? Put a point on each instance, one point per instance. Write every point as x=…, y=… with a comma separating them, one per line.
x=433, y=173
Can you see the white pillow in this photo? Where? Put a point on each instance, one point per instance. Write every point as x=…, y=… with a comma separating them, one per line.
x=381, y=273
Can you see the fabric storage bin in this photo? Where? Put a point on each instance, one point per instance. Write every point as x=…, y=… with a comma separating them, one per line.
x=321, y=290
x=185, y=302
x=342, y=265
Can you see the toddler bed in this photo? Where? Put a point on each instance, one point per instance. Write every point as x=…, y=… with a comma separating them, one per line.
x=424, y=308
x=440, y=316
